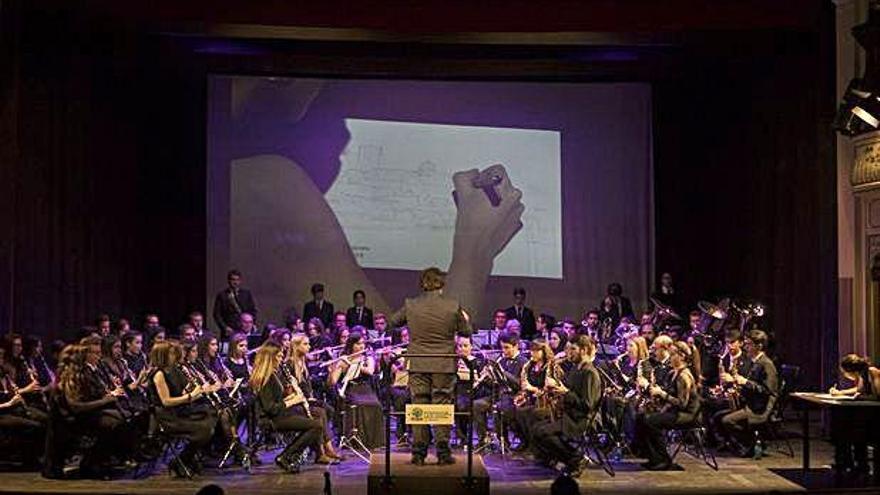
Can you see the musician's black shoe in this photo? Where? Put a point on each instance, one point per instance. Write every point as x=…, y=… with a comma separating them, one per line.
x=287, y=464
x=445, y=459
x=417, y=460
x=659, y=466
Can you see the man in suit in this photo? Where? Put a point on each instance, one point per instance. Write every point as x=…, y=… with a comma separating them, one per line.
x=522, y=314
x=621, y=302
x=433, y=322
x=758, y=390
x=359, y=314
x=230, y=303
x=318, y=307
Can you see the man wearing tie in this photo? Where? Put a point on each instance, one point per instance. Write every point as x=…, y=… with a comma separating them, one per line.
x=318, y=307
x=359, y=314
x=230, y=303
x=522, y=314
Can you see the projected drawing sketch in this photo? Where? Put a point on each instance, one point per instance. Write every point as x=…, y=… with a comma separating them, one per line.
x=392, y=195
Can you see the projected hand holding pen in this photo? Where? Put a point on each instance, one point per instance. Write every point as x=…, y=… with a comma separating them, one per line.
x=482, y=230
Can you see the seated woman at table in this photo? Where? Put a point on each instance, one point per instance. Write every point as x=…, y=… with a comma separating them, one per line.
x=864, y=377
x=850, y=456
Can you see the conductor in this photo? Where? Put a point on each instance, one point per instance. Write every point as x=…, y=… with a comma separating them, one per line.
x=433, y=322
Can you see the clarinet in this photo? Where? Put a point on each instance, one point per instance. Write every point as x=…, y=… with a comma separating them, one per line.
x=294, y=385
x=195, y=378
x=35, y=377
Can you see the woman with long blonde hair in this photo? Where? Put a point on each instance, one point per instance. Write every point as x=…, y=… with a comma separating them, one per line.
x=276, y=406
x=299, y=371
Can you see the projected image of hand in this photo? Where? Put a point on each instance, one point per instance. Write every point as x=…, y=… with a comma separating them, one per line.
x=481, y=229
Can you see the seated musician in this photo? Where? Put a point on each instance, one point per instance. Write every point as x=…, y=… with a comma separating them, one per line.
x=511, y=364
x=723, y=398
x=278, y=408
x=95, y=409
x=557, y=340
x=296, y=370
x=581, y=393
x=758, y=389
x=531, y=402
x=236, y=361
x=629, y=367
x=36, y=361
x=18, y=419
x=659, y=359
x=216, y=394
x=212, y=366
x=398, y=387
x=463, y=384
x=115, y=372
x=133, y=352
x=679, y=405
x=181, y=410
x=352, y=376
x=865, y=380
x=25, y=377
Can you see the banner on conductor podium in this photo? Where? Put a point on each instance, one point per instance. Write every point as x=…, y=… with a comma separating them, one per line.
x=430, y=414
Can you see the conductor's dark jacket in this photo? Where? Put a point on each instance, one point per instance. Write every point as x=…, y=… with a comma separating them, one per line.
x=433, y=321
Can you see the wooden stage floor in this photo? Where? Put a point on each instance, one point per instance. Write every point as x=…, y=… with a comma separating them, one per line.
x=508, y=476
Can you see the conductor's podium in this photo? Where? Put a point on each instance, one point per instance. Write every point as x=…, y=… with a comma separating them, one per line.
x=428, y=479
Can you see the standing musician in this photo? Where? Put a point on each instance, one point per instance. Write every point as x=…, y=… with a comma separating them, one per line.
x=295, y=374
x=758, y=389
x=466, y=362
x=581, y=392
x=353, y=376
x=679, y=405
x=278, y=408
x=230, y=304
x=511, y=364
x=532, y=402
x=181, y=409
x=433, y=321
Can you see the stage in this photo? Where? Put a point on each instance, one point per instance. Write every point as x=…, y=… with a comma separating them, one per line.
x=508, y=476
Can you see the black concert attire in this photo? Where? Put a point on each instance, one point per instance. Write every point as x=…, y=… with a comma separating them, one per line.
x=724, y=397
x=362, y=316
x=623, y=404
x=398, y=388
x=558, y=439
x=526, y=318
x=286, y=372
x=368, y=414
x=462, y=392
x=270, y=401
x=852, y=429
x=228, y=307
x=527, y=413
x=195, y=421
x=136, y=362
x=681, y=406
x=504, y=393
x=322, y=310
x=758, y=396
x=113, y=372
x=96, y=412
x=23, y=375
x=21, y=422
